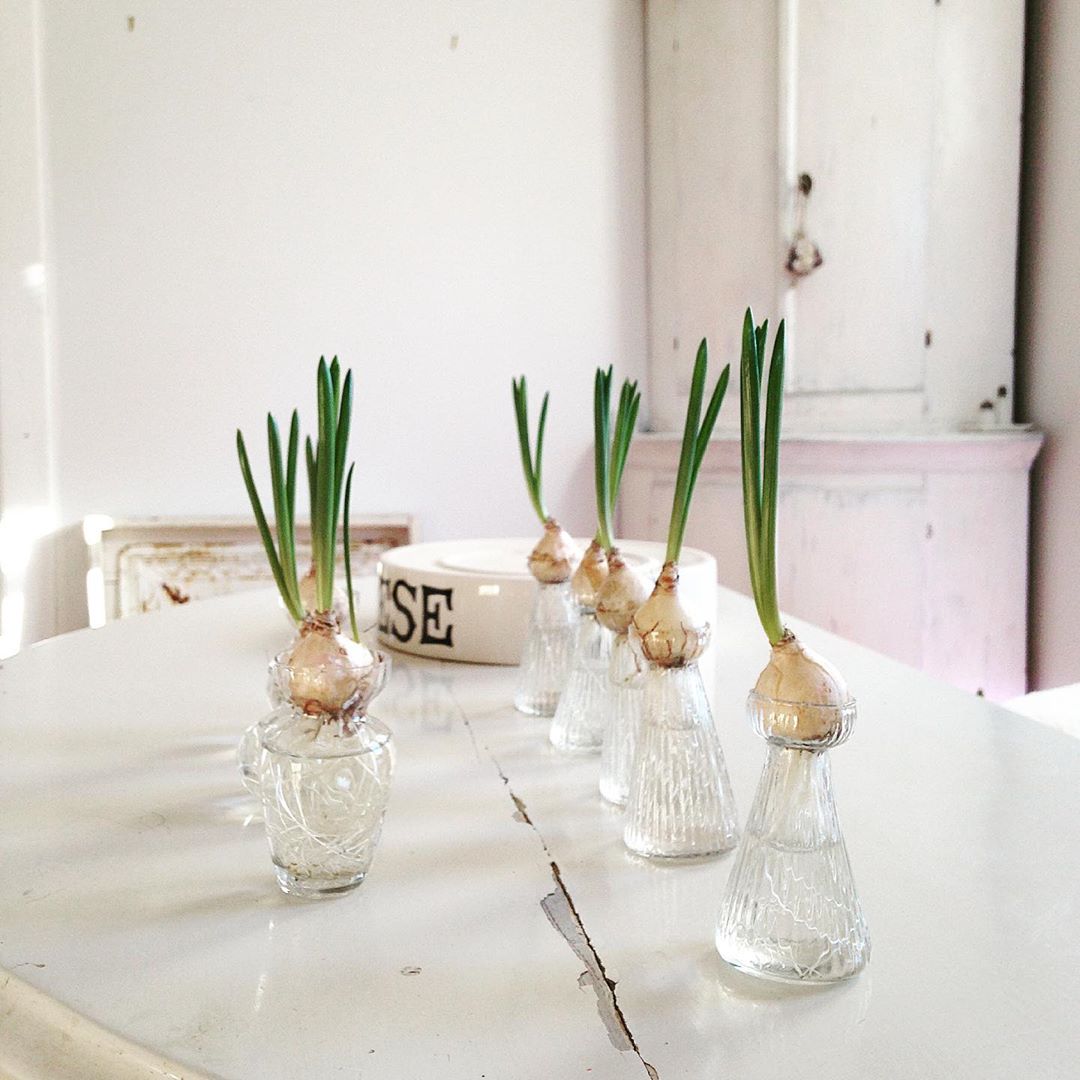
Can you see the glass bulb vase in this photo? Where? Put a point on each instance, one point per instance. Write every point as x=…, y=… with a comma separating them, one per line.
x=578, y=724
x=545, y=662
x=680, y=804
x=621, y=704
x=324, y=782
x=790, y=911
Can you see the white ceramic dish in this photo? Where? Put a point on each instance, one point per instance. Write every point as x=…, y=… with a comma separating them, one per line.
x=470, y=599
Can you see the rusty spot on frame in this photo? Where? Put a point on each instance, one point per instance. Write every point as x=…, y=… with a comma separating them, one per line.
x=175, y=594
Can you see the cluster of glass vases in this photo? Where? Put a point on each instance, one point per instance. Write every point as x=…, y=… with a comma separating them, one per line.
x=588, y=679
x=790, y=910
x=323, y=780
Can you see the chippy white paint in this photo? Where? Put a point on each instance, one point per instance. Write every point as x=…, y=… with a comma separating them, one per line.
x=916, y=546
x=503, y=930
x=907, y=120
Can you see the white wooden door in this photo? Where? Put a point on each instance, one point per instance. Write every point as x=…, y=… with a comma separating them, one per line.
x=905, y=117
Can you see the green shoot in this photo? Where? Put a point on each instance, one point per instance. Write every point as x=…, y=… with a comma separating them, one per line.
x=282, y=555
x=347, y=544
x=326, y=471
x=695, y=442
x=761, y=466
x=531, y=465
x=325, y=460
x=611, y=447
x=309, y=457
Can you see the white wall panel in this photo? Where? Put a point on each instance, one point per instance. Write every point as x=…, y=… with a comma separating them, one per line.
x=444, y=192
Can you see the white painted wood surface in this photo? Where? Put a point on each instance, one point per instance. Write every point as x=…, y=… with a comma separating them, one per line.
x=134, y=892
x=912, y=545
x=907, y=118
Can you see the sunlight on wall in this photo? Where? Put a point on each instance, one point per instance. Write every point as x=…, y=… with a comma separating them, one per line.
x=20, y=529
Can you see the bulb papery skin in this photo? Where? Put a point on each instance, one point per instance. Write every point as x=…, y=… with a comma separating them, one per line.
x=620, y=596
x=589, y=576
x=329, y=673
x=662, y=630
x=553, y=559
x=801, y=699
x=340, y=607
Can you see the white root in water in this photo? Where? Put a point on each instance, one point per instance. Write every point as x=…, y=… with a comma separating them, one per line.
x=553, y=559
x=662, y=628
x=340, y=607
x=590, y=576
x=812, y=691
x=329, y=673
x=620, y=596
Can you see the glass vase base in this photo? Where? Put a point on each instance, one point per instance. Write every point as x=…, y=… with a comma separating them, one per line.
x=677, y=858
x=613, y=794
x=536, y=704
x=308, y=888
x=803, y=967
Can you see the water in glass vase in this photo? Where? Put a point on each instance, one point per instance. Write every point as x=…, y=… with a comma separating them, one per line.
x=680, y=802
x=325, y=785
x=622, y=706
x=791, y=911
x=545, y=663
x=578, y=724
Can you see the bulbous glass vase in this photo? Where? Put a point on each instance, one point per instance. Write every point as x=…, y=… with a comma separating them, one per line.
x=790, y=911
x=545, y=662
x=578, y=724
x=324, y=781
x=680, y=803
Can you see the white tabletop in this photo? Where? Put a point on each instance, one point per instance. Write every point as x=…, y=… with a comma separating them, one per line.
x=503, y=931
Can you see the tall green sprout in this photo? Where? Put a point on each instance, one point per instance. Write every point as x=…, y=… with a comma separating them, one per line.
x=325, y=469
x=760, y=466
x=346, y=543
x=326, y=473
x=282, y=555
x=611, y=447
x=695, y=442
x=530, y=464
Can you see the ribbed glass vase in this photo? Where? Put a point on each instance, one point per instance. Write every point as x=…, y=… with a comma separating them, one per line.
x=790, y=911
x=622, y=704
x=545, y=662
x=578, y=724
x=680, y=803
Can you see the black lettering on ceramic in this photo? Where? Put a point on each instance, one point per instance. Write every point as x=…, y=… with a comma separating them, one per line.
x=400, y=585
x=432, y=610
x=384, y=605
